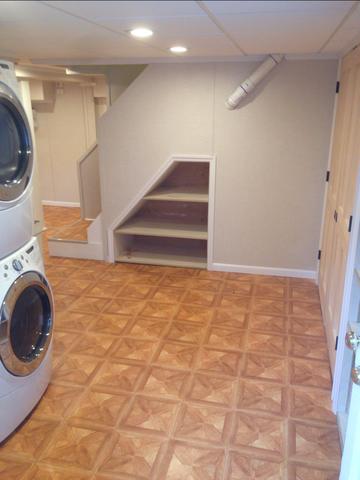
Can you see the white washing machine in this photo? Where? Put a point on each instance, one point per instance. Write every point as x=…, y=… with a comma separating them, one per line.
x=16, y=165
x=26, y=322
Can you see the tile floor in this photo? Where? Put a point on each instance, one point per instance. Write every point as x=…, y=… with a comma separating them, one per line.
x=65, y=223
x=178, y=374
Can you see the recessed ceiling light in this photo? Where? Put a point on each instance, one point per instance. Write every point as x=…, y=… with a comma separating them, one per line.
x=141, y=32
x=178, y=49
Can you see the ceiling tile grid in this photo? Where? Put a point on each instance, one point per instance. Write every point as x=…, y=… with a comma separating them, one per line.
x=99, y=30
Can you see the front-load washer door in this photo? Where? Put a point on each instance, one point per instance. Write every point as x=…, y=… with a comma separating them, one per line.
x=16, y=150
x=26, y=320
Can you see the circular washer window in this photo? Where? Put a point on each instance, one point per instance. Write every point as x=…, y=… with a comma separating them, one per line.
x=16, y=154
x=26, y=324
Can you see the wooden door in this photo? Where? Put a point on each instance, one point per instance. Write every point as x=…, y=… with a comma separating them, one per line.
x=345, y=159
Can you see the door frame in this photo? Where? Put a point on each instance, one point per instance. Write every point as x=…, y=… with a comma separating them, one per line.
x=343, y=362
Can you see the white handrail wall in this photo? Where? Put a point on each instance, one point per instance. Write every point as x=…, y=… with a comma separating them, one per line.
x=89, y=183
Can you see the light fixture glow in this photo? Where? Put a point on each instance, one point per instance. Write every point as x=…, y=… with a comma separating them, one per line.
x=141, y=32
x=178, y=49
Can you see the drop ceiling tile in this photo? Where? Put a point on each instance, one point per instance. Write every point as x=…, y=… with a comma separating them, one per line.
x=179, y=26
x=281, y=32
x=97, y=10
x=237, y=7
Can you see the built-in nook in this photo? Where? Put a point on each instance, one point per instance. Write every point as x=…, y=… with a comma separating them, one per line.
x=169, y=225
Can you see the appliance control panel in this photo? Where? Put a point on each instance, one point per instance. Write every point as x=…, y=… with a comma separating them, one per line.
x=25, y=259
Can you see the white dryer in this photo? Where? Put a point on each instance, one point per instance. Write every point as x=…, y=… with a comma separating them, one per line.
x=26, y=322
x=16, y=165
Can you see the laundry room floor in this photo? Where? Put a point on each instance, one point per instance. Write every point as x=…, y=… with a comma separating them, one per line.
x=180, y=374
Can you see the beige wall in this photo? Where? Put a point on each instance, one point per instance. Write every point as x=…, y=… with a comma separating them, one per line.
x=271, y=153
x=65, y=130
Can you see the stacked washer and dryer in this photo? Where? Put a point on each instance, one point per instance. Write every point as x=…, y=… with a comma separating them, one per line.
x=26, y=304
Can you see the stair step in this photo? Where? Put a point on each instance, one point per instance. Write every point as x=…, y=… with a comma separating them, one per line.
x=196, y=194
x=165, y=256
x=156, y=228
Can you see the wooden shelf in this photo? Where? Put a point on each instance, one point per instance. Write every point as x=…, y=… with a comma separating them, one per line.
x=156, y=228
x=196, y=194
x=165, y=256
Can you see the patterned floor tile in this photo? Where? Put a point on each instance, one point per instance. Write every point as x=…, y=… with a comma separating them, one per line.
x=110, y=324
x=58, y=401
x=133, y=290
x=15, y=469
x=309, y=373
x=306, y=347
x=151, y=415
x=120, y=306
x=191, y=313
x=30, y=439
x=226, y=338
x=147, y=328
x=131, y=349
x=259, y=434
x=75, y=447
x=76, y=322
x=234, y=301
x=208, y=285
x=267, y=343
x=265, y=368
x=179, y=374
x=213, y=390
x=311, y=404
x=167, y=295
x=238, y=288
x=305, y=310
x=302, y=472
x=200, y=297
x=62, y=342
x=303, y=326
x=159, y=310
x=230, y=317
x=269, y=306
x=91, y=305
x=250, y=468
x=131, y=456
x=204, y=423
x=103, y=290
x=164, y=383
x=186, y=332
x=219, y=361
x=313, y=443
x=75, y=369
x=117, y=376
x=176, y=355
x=186, y=461
x=100, y=408
x=270, y=291
x=266, y=397
x=93, y=344
x=268, y=323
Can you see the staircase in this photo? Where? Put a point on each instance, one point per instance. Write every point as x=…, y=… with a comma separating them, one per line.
x=168, y=224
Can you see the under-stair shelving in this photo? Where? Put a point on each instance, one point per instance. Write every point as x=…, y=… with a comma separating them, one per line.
x=169, y=225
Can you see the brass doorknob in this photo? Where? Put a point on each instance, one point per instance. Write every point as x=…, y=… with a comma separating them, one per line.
x=355, y=375
x=352, y=340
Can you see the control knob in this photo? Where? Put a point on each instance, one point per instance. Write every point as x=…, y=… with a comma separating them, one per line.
x=17, y=265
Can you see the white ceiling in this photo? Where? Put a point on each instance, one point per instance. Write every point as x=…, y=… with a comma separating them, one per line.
x=97, y=31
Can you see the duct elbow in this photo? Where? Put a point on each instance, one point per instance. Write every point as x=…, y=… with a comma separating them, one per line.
x=255, y=78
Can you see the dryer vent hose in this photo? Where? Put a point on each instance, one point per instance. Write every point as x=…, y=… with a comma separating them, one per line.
x=255, y=78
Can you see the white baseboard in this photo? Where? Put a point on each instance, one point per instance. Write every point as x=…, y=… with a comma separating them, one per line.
x=281, y=272
x=55, y=203
x=91, y=251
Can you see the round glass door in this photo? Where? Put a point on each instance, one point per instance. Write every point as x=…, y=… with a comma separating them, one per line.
x=16, y=155
x=26, y=324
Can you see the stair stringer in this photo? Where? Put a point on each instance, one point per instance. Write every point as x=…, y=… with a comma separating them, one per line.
x=137, y=201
